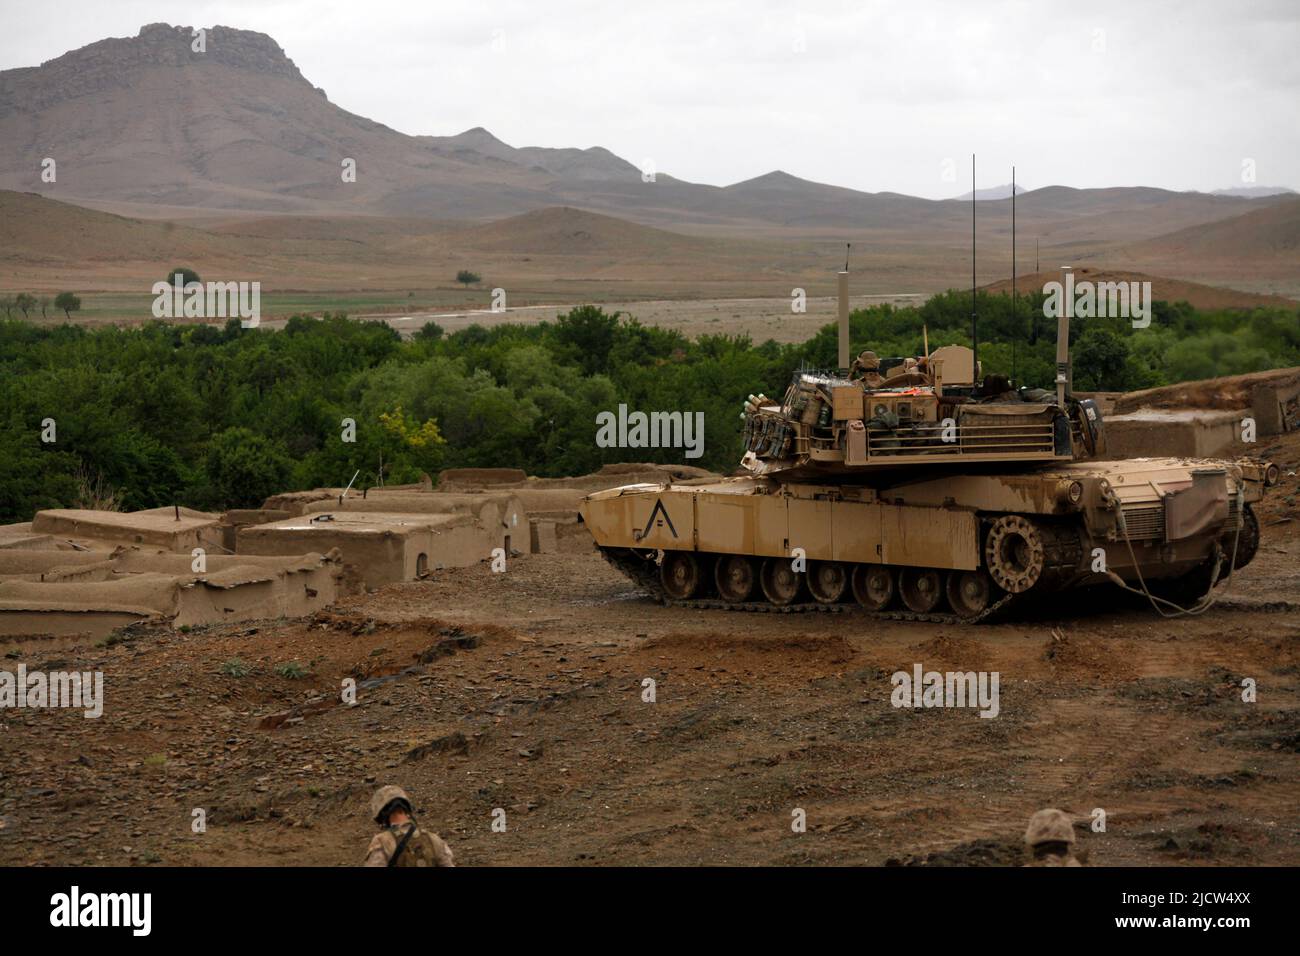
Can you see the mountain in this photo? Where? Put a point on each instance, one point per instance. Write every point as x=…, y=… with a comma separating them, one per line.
x=994, y=192
x=1255, y=192
x=147, y=126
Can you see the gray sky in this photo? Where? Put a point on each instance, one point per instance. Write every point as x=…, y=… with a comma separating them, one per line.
x=875, y=96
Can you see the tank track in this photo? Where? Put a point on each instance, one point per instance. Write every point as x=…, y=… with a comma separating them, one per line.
x=641, y=571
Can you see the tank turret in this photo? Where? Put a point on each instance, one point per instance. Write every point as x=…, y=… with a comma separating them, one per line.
x=907, y=412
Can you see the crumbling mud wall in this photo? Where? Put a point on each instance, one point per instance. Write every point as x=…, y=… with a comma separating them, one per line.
x=1276, y=406
x=63, y=593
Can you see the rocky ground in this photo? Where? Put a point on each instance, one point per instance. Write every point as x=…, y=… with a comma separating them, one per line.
x=521, y=697
x=523, y=692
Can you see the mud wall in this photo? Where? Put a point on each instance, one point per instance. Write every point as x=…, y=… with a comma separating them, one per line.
x=374, y=558
x=158, y=527
x=1174, y=434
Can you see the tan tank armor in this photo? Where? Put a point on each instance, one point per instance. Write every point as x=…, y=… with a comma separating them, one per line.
x=950, y=500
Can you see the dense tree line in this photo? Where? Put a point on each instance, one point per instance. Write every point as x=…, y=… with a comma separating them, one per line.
x=216, y=417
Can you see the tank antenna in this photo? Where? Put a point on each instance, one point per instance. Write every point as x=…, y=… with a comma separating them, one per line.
x=1015, y=312
x=843, y=283
x=974, y=314
x=1063, y=314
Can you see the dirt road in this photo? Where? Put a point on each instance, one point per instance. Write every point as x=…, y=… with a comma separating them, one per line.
x=759, y=318
x=523, y=692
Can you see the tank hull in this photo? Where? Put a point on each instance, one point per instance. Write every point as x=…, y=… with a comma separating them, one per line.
x=963, y=546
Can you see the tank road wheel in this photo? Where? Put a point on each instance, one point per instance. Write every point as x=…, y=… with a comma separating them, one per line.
x=969, y=592
x=828, y=580
x=920, y=588
x=781, y=583
x=1014, y=553
x=735, y=578
x=873, y=586
x=680, y=574
x=1247, y=543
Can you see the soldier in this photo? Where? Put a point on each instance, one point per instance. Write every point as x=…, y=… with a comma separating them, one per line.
x=1050, y=838
x=911, y=374
x=997, y=388
x=867, y=368
x=401, y=842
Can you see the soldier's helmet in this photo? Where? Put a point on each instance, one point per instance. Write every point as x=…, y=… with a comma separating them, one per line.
x=385, y=796
x=868, y=360
x=1049, y=826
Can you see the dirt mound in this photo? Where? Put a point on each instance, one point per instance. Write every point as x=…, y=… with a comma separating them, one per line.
x=1076, y=657
x=954, y=651
x=1226, y=392
x=985, y=852
x=715, y=657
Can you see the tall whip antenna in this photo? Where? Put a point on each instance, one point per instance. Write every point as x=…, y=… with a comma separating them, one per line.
x=974, y=315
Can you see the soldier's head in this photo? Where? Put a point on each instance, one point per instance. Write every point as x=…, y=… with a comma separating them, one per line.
x=1049, y=832
x=390, y=805
x=869, y=361
x=995, y=384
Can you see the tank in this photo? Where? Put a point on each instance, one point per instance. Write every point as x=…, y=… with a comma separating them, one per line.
x=915, y=488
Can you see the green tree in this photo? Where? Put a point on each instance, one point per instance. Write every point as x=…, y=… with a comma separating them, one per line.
x=1100, y=360
x=587, y=335
x=243, y=469
x=467, y=278
x=32, y=474
x=25, y=302
x=187, y=274
x=429, y=332
x=68, y=302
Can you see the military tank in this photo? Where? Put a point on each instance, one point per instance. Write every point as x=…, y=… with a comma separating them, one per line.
x=914, y=488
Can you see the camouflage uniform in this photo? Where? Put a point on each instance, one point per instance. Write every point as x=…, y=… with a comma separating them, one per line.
x=867, y=368
x=417, y=847
x=422, y=849
x=1050, y=837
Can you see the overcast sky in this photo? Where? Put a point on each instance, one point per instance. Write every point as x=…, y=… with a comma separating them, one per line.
x=876, y=96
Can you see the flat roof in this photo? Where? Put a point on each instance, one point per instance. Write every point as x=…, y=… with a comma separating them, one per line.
x=362, y=522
